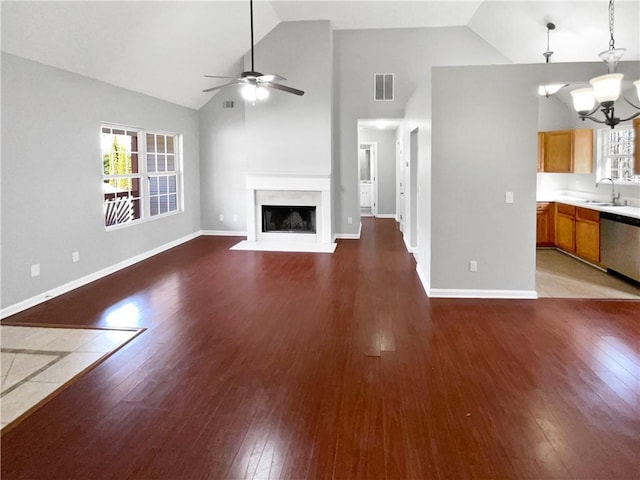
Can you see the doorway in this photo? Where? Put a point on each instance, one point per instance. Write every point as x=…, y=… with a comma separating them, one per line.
x=368, y=185
x=413, y=191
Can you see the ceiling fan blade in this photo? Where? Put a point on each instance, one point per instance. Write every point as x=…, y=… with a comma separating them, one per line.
x=222, y=86
x=217, y=76
x=284, y=88
x=270, y=78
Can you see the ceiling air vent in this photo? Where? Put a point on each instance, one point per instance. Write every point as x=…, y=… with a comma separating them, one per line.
x=383, y=86
x=227, y=104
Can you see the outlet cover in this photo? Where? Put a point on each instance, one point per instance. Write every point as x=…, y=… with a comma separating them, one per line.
x=75, y=257
x=35, y=270
x=473, y=266
x=221, y=217
x=349, y=220
x=508, y=197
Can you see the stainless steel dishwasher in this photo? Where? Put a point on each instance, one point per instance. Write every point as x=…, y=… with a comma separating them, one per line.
x=620, y=244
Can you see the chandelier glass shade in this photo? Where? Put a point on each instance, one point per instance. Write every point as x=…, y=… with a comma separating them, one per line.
x=605, y=89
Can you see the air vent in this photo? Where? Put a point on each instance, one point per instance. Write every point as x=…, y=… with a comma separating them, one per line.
x=227, y=104
x=383, y=86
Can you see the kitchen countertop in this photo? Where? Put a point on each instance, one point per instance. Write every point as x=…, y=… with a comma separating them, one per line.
x=627, y=211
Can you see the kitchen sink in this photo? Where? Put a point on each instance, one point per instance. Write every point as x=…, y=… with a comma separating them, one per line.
x=602, y=204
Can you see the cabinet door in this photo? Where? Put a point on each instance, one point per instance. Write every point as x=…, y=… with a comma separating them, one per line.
x=558, y=151
x=542, y=230
x=588, y=240
x=541, y=151
x=565, y=232
x=545, y=224
x=582, y=150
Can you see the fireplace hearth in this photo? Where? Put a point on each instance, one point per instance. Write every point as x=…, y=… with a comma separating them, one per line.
x=286, y=218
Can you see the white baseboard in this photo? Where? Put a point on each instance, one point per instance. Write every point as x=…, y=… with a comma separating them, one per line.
x=424, y=280
x=92, y=277
x=386, y=215
x=462, y=293
x=348, y=236
x=224, y=233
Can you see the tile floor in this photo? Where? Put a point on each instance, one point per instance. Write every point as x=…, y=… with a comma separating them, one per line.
x=36, y=361
x=561, y=276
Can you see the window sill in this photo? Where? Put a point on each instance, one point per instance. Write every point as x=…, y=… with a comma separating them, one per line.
x=141, y=221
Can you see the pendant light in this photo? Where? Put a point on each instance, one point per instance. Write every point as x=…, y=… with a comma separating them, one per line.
x=605, y=89
x=548, y=89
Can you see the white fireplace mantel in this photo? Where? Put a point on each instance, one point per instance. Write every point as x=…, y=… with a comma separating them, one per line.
x=289, y=189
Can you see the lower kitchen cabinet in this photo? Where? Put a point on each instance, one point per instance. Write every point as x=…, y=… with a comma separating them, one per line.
x=545, y=224
x=565, y=227
x=588, y=234
x=578, y=231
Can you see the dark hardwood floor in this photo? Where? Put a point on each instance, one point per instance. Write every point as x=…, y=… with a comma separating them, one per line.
x=317, y=366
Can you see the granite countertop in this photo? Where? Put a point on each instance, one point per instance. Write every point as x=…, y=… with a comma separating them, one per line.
x=627, y=210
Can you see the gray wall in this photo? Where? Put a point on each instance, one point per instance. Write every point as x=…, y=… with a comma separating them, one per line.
x=386, y=140
x=52, y=176
x=470, y=220
x=290, y=133
x=409, y=53
x=223, y=163
x=284, y=134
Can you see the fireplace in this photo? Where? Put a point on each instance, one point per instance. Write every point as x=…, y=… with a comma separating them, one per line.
x=283, y=218
x=288, y=213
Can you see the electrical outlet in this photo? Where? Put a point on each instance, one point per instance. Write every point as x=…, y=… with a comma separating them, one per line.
x=508, y=197
x=349, y=220
x=221, y=217
x=35, y=270
x=75, y=257
x=235, y=218
x=473, y=266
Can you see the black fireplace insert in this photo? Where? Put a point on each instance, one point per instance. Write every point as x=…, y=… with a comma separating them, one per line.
x=294, y=219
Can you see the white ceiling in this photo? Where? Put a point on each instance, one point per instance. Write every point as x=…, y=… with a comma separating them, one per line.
x=163, y=49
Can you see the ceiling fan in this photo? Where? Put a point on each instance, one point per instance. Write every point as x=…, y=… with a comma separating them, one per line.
x=255, y=84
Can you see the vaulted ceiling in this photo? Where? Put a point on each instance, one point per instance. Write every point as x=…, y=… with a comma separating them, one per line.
x=163, y=49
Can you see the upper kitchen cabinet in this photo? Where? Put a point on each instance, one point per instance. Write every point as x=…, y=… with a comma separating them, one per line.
x=566, y=151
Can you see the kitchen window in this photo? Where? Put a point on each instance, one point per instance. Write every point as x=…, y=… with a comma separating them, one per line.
x=615, y=155
x=141, y=175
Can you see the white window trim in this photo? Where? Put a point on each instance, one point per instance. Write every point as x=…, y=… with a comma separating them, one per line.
x=600, y=160
x=145, y=205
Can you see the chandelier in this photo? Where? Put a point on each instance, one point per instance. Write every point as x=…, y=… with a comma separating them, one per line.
x=605, y=88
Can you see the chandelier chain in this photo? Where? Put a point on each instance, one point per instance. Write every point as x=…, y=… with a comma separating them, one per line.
x=612, y=42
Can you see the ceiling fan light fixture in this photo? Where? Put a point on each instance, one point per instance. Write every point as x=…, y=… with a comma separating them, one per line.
x=583, y=100
x=254, y=93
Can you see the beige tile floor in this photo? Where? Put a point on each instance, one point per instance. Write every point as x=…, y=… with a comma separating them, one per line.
x=561, y=276
x=36, y=361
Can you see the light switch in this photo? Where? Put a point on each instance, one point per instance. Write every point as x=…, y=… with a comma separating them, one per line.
x=508, y=197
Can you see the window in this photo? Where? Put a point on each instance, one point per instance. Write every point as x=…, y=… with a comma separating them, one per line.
x=134, y=190
x=383, y=86
x=615, y=155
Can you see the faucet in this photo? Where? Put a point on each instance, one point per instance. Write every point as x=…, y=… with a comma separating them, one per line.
x=614, y=197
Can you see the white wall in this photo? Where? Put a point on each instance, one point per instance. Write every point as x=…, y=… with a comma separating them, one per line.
x=409, y=53
x=386, y=140
x=52, y=176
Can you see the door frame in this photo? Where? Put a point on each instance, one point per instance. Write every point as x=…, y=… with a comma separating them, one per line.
x=373, y=155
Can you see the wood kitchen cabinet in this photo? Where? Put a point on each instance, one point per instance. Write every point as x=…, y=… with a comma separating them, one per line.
x=578, y=231
x=588, y=234
x=565, y=227
x=636, y=152
x=545, y=224
x=566, y=151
